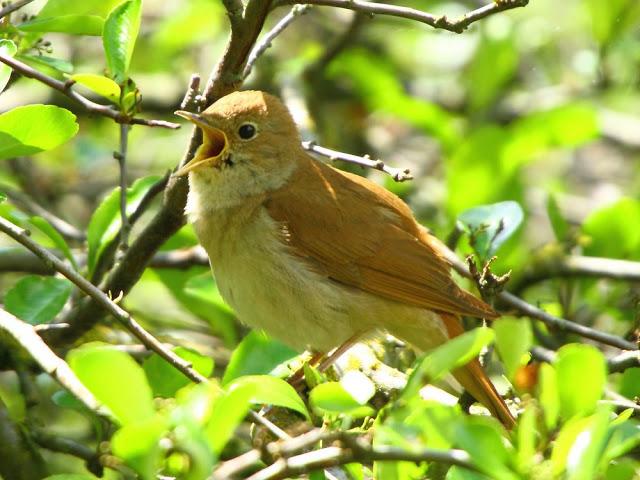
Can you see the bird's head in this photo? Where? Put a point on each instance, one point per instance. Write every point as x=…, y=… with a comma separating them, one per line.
x=246, y=135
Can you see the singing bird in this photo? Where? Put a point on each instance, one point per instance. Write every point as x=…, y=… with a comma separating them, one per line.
x=315, y=256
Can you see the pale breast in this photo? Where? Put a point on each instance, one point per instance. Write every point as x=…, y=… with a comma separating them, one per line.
x=270, y=288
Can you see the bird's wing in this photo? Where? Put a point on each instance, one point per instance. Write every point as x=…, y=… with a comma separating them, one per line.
x=360, y=234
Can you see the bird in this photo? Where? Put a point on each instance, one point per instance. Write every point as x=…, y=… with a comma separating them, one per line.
x=317, y=257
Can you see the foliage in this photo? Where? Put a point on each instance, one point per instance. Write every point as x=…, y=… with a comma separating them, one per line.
x=521, y=135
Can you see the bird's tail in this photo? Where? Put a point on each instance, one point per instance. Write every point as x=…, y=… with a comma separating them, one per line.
x=474, y=379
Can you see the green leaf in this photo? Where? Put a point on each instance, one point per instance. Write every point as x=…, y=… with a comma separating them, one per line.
x=580, y=368
x=270, y=390
x=197, y=292
x=456, y=352
x=35, y=128
x=138, y=444
x=493, y=65
x=482, y=439
x=332, y=398
x=548, y=395
x=36, y=299
x=99, y=84
x=558, y=222
x=625, y=436
x=566, y=126
x=119, y=37
x=72, y=24
x=579, y=445
x=380, y=85
x=106, y=222
x=39, y=61
x=116, y=380
x=57, y=8
x=9, y=49
x=71, y=476
x=630, y=383
x=227, y=413
x=256, y=354
x=57, y=239
x=165, y=380
x=513, y=340
x=526, y=438
x=489, y=226
x=612, y=222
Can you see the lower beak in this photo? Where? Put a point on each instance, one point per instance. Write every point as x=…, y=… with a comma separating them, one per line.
x=213, y=149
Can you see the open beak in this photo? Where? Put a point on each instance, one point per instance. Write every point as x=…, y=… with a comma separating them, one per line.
x=213, y=149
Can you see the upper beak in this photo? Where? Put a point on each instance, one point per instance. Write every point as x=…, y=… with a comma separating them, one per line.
x=213, y=148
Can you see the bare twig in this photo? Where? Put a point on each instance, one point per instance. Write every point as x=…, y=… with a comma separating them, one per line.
x=20, y=260
x=12, y=7
x=192, y=99
x=562, y=324
x=578, y=266
x=354, y=448
x=399, y=175
x=552, y=321
x=121, y=157
x=265, y=42
x=29, y=339
x=458, y=25
x=26, y=203
x=65, y=88
x=625, y=360
x=22, y=236
x=19, y=460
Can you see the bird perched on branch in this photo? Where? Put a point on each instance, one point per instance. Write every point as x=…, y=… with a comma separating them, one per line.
x=317, y=257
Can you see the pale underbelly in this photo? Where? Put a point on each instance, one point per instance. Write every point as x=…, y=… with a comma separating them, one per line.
x=307, y=311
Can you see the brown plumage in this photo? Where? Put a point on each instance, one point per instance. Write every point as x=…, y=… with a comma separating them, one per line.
x=314, y=255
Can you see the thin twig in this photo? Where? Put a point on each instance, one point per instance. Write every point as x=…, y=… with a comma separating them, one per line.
x=458, y=25
x=22, y=236
x=192, y=101
x=91, y=106
x=624, y=360
x=28, y=338
x=26, y=203
x=578, y=266
x=12, y=7
x=355, y=448
x=16, y=259
x=121, y=157
x=265, y=42
x=562, y=324
x=399, y=175
x=531, y=311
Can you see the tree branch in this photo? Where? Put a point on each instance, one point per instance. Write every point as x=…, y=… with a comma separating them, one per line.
x=27, y=337
x=26, y=203
x=578, y=266
x=458, y=25
x=531, y=311
x=265, y=43
x=399, y=175
x=12, y=7
x=18, y=459
x=91, y=106
x=22, y=236
x=121, y=157
x=353, y=448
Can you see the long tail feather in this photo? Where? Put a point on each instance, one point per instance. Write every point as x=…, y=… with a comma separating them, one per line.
x=474, y=379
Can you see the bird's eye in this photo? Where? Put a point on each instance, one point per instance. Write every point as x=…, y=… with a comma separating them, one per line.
x=247, y=131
